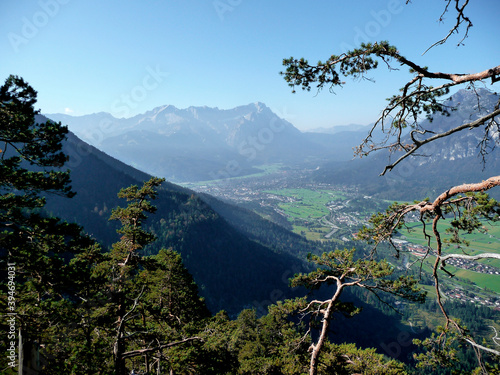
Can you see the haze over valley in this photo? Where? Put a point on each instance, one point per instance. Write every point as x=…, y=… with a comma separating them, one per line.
x=201, y=143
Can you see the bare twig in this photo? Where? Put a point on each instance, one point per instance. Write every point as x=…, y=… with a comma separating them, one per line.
x=461, y=18
x=419, y=144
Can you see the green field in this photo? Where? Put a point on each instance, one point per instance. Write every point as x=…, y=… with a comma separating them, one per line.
x=308, y=204
x=482, y=280
x=266, y=169
x=316, y=234
x=478, y=242
x=307, y=208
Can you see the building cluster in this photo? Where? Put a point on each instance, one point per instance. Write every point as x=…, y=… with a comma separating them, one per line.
x=473, y=266
x=467, y=296
x=466, y=264
x=260, y=191
x=457, y=293
x=415, y=249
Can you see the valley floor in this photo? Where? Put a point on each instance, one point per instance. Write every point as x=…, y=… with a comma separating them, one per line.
x=328, y=212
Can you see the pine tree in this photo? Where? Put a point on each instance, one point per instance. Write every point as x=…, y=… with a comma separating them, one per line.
x=35, y=247
x=153, y=302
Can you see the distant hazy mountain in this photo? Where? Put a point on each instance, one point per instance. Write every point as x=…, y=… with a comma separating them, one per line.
x=340, y=128
x=202, y=143
x=444, y=163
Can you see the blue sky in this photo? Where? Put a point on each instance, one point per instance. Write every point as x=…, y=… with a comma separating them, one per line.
x=127, y=57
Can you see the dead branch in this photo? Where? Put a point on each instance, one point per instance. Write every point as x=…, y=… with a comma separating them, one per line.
x=135, y=353
x=419, y=144
x=470, y=257
x=462, y=189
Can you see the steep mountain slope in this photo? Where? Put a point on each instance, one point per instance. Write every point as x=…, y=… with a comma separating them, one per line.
x=231, y=270
x=202, y=143
x=442, y=164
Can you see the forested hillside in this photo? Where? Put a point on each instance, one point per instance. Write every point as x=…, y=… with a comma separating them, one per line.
x=212, y=250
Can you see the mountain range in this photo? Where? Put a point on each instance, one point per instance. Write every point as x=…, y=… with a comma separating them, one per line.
x=202, y=143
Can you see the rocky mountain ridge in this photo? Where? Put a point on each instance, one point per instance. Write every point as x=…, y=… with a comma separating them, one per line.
x=196, y=143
